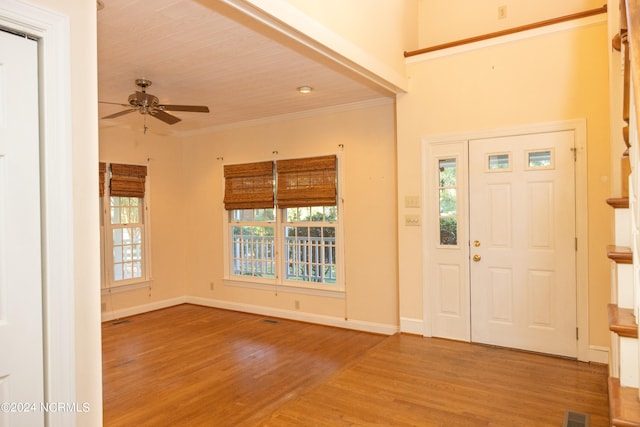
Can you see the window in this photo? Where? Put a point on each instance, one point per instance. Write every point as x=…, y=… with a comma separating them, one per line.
x=124, y=248
x=126, y=237
x=310, y=244
x=253, y=251
x=539, y=159
x=283, y=223
x=498, y=162
x=447, y=181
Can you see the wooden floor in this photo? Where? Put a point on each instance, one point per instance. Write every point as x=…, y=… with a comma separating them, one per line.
x=198, y=366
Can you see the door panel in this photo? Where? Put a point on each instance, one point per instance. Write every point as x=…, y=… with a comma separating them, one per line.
x=501, y=291
x=499, y=215
x=522, y=213
x=21, y=357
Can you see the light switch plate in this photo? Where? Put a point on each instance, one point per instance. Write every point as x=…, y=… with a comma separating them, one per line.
x=412, y=220
x=412, y=201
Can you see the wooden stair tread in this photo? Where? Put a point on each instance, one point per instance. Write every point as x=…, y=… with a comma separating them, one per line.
x=620, y=254
x=622, y=321
x=624, y=406
x=618, y=202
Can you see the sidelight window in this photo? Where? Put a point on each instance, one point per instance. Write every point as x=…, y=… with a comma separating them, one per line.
x=448, y=189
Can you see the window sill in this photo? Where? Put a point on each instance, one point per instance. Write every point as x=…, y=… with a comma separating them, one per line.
x=284, y=288
x=114, y=289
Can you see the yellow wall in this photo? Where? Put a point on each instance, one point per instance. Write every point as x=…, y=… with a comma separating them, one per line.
x=616, y=81
x=369, y=166
x=442, y=23
x=548, y=78
x=187, y=213
x=556, y=77
x=383, y=28
x=370, y=36
x=163, y=157
x=559, y=76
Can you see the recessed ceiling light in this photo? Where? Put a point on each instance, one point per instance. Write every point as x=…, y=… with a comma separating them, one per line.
x=305, y=89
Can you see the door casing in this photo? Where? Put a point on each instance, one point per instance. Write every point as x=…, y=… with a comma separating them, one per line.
x=54, y=58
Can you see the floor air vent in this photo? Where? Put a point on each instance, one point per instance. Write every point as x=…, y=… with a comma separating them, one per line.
x=272, y=321
x=575, y=419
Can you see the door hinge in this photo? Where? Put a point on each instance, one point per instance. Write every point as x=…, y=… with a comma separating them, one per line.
x=575, y=154
x=577, y=335
x=576, y=240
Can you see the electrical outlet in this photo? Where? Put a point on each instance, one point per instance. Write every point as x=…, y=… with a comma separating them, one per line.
x=502, y=12
x=211, y=285
x=297, y=304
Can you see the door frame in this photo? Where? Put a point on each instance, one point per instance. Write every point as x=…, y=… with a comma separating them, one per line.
x=579, y=127
x=51, y=30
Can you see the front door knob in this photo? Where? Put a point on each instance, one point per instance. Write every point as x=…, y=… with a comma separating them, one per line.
x=477, y=258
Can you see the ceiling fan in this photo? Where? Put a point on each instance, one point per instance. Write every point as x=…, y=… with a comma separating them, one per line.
x=146, y=103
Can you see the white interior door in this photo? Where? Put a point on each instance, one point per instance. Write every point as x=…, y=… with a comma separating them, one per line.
x=522, y=242
x=21, y=341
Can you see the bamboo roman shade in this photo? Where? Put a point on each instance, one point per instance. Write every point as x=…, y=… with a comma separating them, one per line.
x=248, y=186
x=102, y=169
x=306, y=182
x=127, y=180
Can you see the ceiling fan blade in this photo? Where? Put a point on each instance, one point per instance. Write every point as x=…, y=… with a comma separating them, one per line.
x=120, y=113
x=114, y=103
x=165, y=117
x=188, y=108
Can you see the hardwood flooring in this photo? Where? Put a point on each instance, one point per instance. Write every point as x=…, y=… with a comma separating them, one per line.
x=198, y=366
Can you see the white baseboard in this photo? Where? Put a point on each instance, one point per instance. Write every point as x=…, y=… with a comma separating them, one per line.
x=412, y=326
x=139, y=309
x=358, y=325
x=599, y=354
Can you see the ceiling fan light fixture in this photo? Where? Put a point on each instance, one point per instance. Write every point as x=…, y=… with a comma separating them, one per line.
x=146, y=103
x=304, y=89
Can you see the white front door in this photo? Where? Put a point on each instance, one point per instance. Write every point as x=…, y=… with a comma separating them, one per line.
x=522, y=239
x=508, y=201
x=21, y=336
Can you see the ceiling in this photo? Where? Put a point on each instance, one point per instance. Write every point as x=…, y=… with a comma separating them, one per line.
x=213, y=55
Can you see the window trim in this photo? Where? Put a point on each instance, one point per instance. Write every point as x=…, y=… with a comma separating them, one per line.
x=279, y=283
